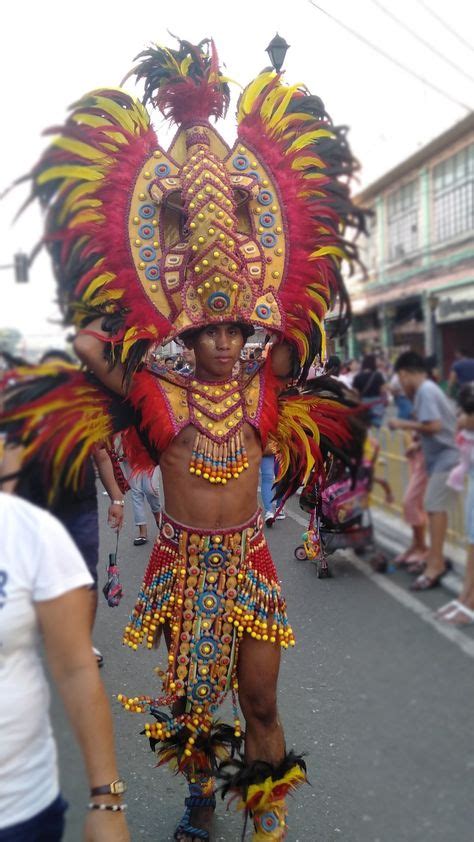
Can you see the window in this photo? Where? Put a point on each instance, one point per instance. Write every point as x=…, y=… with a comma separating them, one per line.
x=368, y=243
x=453, y=195
x=402, y=221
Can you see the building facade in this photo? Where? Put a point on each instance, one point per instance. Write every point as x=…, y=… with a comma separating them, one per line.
x=418, y=289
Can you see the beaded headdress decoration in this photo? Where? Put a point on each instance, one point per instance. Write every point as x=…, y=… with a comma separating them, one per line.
x=170, y=240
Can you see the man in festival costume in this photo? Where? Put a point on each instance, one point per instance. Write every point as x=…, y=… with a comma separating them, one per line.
x=205, y=243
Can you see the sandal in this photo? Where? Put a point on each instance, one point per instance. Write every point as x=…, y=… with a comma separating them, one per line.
x=446, y=608
x=416, y=566
x=98, y=656
x=459, y=615
x=195, y=799
x=426, y=583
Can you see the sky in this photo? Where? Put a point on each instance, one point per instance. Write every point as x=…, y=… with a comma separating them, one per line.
x=53, y=52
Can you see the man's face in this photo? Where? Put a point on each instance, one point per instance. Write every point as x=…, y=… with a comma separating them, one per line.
x=408, y=382
x=169, y=364
x=188, y=356
x=217, y=348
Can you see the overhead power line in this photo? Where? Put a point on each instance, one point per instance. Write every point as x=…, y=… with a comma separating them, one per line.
x=445, y=24
x=394, y=61
x=421, y=39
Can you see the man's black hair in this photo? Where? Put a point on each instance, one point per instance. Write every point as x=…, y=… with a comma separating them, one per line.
x=58, y=354
x=333, y=365
x=369, y=362
x=466, y=398
x=463, y=352
x=169, y=358
x=410, y=361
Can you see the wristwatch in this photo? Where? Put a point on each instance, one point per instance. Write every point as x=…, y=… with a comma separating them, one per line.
x=117, y=787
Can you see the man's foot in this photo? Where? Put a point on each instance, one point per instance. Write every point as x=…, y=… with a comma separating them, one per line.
x=196, y=822
x=269, y=519
x=457, y=614
x=281, y=515
x=138, y=542
x=428, y=580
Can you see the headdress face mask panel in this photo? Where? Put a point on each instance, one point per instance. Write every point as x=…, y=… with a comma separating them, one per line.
x=206, y=234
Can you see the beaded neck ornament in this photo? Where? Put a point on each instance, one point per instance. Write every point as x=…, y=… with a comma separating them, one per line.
x=217, y=411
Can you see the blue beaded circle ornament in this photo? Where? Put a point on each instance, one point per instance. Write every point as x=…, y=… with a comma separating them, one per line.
x=267, y=220
x=147, y=254
x=162, y=170
x=146, y=211
x=240, y=162
x=263, y=311
x=152, y=273
x=218, y=302
x=269, y=822
x=268, y=240
x=146, y=231
x=215, y=558
x=265, y=197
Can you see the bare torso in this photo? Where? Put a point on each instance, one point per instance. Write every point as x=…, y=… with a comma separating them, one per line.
x=196, y=502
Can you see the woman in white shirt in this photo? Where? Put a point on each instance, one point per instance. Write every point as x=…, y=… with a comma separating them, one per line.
x=44, y=587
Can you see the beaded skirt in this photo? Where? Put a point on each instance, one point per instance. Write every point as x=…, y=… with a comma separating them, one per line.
x=211, y=587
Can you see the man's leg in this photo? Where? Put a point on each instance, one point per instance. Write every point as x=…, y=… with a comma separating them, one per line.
x=267, y=478
x=467, y=594
x=438, y=500
x=139, y=514
x=257, y=670
x=438, y=525
x=265, y=756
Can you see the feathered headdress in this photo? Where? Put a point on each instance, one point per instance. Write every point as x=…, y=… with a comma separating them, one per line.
x=172, y=240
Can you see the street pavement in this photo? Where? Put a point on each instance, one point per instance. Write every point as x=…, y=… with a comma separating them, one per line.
x=375, y=692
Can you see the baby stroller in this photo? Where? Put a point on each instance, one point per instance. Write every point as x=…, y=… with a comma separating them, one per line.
x=339, y=513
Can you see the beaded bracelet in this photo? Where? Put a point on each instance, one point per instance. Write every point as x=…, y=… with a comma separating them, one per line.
x=113, y=808
x=118, y=502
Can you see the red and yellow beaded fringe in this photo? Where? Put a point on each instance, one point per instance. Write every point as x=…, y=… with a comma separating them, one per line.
x=218, y=462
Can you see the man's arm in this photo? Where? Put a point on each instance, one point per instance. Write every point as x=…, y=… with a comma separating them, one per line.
x=429, y=428
x=452, y=381
x=107, y=478
x=90, y=350
x=76, y=676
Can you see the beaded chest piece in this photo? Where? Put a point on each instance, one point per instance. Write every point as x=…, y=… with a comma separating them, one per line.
x=218, y=412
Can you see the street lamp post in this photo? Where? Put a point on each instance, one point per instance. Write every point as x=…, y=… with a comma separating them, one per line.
x=277, y=50
x=21, y=264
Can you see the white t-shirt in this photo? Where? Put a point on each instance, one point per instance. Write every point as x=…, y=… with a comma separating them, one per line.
x=38, y=561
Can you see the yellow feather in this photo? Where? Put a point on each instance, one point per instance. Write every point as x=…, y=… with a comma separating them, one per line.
x=109, y=295
x=335, y=250
x=290, y=120
x=308, y=138
x=99, y=281
x=86, y=216
x=122, y=115
x=252, y=92
x=83, y=150
x=69, y=171
x=278, y=115
x=303, y=161
x=76, y=194
x=184, y=66
x=93, y=120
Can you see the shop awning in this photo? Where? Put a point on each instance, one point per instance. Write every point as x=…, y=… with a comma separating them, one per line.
x=455, y=306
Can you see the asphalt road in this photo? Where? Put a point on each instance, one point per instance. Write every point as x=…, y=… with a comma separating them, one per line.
x=380, y=701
